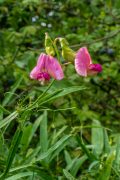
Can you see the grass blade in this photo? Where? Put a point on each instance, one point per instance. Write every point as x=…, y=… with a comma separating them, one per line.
x=13, y=148
x=68, y=175
x=90, y=155
x=20, y=175
x=63, y=92
x=43, y=133
x=77, y=164
x=106, y=171
x=106, y=142
x=97, y=137
x=117, y=157
x=53, y=148
x=8, y=119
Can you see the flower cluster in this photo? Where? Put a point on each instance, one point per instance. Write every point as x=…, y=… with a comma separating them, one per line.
x=48, y=66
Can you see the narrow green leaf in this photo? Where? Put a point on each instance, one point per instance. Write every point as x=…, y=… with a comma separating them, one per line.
x=67, y=157
x=97, y=137
x=20, y=167
x=107, y=147
x=117, y=157
x=43, y=133
x=68, y=90
x=13, y=148
x=77, y=164
x=11, y=93
x=2, y=109
x=29, y=131
x=42, y=174
x=68, y=175
x=25, y=137
x=57, y=134
x=90, y=155
x=35, y=127
x=1, y=113
x=53, y=148
x=20, y=175
x=106, y=170
x=63, y=92
x=58, y=150
x=30, y=157
x=8, y=119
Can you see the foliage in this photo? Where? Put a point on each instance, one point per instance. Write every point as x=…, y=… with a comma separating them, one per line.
x=70, y=130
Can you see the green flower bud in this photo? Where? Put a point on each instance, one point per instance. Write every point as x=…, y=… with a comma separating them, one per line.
x=49, y=45
x=67, y=53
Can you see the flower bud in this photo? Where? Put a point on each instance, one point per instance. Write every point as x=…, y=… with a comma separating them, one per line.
x=49, y=45
x=67, y=53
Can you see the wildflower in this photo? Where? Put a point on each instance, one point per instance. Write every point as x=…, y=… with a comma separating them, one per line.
x=84, y=65
x=47, y=67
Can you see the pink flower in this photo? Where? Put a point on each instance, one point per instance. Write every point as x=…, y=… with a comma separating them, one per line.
x=84, y=65
x=47, y=66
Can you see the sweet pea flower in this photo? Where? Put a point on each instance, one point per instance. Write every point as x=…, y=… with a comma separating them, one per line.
x=84, y=65
x=47, y=67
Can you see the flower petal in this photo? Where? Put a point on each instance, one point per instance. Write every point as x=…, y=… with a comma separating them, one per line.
x=34, y=73
x=94, y=69
x=54, y=68
x=82, y=61
x=41, y=61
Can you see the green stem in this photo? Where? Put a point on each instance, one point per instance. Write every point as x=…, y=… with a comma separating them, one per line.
x=41, y=96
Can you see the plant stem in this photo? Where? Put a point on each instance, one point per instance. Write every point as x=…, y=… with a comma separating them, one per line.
x=40, y=97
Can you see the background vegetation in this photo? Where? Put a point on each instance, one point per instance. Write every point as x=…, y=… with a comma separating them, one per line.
x=74, y=136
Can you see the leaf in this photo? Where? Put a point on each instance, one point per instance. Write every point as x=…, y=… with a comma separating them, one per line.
x=106, y=170
x=67, y=157
x=66, y=91
x=31, y=155
x=12, y=151
x=53, y=148
x=117, y=157
x=25, y=137
x=89, y=154
x=68, y=175
x=29, y=132
x=43, y=133
x=20, y=175
x=8, y=119
x=35, y=127
x=97, y=137
x=20, y=167
x=107, y=147
x=57, y=134
x=1, y=113
x=58, y=150
x=2, y=109
x=77, y=164
x=11, y=93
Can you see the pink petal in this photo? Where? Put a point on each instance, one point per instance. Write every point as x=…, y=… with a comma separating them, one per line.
x=82, y=61
x=94, y=69
x=34, y=73
x=54, y=69
x=41, y=61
